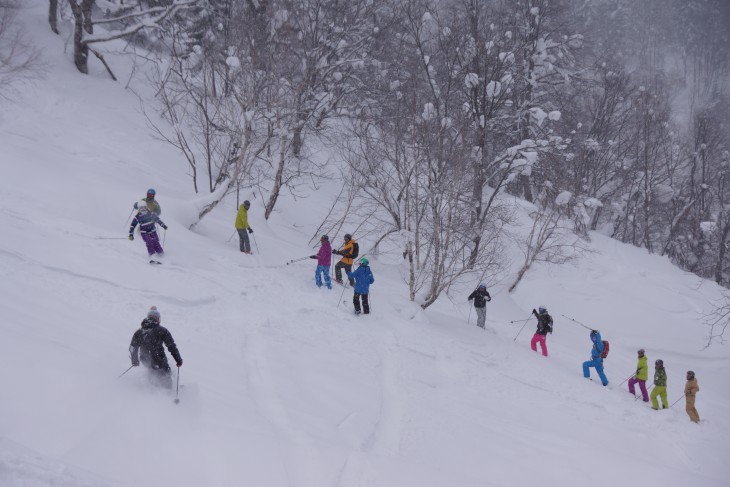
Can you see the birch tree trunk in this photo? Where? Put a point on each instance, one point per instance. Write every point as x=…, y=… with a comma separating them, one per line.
x=53, y=15
x=278, y=178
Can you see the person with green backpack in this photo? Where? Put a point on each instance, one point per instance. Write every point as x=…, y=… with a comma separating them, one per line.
x=642, y=373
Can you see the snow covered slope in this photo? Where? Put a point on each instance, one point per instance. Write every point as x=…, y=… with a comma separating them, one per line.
x=282, y=385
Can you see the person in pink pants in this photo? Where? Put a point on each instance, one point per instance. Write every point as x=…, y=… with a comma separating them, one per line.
x=544, y=326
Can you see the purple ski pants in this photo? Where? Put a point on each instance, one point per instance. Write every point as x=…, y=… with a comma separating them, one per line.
x=153, y=243
x=642, y=386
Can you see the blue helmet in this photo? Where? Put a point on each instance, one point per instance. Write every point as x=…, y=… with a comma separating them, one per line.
x=482, y=286
x=542, y=310
x=151, y=193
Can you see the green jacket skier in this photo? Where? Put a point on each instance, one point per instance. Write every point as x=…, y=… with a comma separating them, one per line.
x=660, y=385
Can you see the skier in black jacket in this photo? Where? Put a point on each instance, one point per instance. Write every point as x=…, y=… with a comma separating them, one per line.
x=480, y=297
x=146, y=347
x=544, y=326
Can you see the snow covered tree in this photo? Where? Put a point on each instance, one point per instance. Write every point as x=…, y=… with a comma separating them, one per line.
x=126, y=22
x=20, y=61
x=551, y=238
x=410, y=153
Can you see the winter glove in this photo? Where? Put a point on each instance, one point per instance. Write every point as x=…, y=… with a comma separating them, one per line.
x=135, y=363
x=163, y=226
x=131, y=237
x=312, y=256
x=534, y=312
x=337, y=252
x=179, y=364
x=488, y=298
x=250, y=230
x=134, y=205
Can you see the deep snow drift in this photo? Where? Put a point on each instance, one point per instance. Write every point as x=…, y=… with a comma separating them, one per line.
x=282, y=385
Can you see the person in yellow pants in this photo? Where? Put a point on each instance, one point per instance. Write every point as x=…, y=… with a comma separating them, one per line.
x=690, y=391
x=660, y=385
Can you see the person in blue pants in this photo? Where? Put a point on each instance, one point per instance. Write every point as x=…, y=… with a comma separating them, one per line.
x=324, y=260
x=596, y=360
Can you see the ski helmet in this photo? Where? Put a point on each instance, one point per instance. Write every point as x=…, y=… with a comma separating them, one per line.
x=659, y=363
x=364, y=261
x=325, y=238
x=348, y=237
x=151, y=193
x=153, y=314
x=247, y=204
x=690, y=375
x=594, y=333
x=542, y=310
x=641, y=352
x=482, y=286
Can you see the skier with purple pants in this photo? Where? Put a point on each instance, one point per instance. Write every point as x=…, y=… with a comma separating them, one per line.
x=147, y=220
x=324, y=261
x=642, y=373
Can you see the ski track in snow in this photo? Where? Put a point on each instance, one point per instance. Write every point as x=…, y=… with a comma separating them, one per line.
x=385, y=437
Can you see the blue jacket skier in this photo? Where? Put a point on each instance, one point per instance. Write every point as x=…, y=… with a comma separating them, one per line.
x=363, y=279
x=596, y=359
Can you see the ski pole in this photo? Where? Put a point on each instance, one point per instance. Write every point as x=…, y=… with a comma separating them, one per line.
x=297, y=260
x=229, y=238
x=468, y=319
x=632, y=375
x=130, y=216
x=341, y=296
x=130, y=368
x=518, y=333
x=675, y=402
x=520, y=321
x=177, y=387
x=578, y=322
x=111, y=238
x=256, y=244
x=164, y=234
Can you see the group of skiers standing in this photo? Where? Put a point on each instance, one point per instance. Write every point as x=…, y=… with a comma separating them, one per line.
x=360, y=279
x=599, y=351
